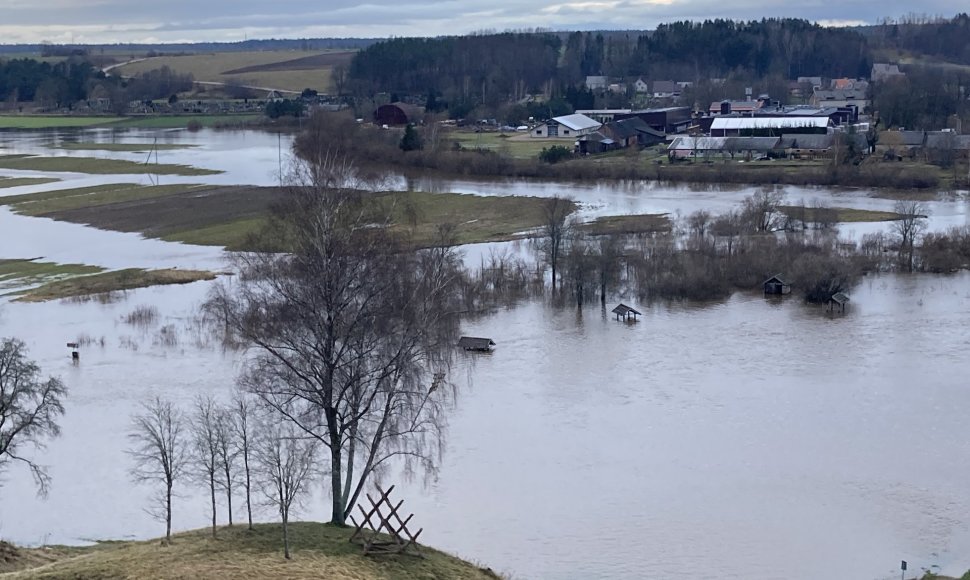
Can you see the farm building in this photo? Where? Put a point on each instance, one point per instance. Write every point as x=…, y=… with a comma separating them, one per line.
x=398, y=114
x=768, y=126
x=665, y=119
x=688, y=147
x=776, y=285
x=574, y=125
x=806, y=146
x=602, y=115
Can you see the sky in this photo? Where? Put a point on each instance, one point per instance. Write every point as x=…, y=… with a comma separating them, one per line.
x=141, y=21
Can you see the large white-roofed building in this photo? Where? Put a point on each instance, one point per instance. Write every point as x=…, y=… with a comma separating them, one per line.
x=769, y=126
x=571, y=126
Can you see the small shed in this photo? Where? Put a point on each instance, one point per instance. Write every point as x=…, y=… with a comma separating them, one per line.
x=626, y=312
x=777, y=285
x=476, y=344
x=838, y=300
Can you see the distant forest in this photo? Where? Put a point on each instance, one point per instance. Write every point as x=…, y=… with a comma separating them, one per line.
x=305, y=44
x=464, y=72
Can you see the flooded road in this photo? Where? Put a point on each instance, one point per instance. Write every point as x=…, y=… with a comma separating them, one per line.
x=749, y=439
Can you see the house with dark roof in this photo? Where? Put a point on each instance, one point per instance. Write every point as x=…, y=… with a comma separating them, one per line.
x=802, y=146
x=840, y=98
x=882, y=71
x=666, y=89
x=632, y=132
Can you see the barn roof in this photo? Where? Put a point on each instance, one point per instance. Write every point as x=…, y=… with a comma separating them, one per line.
x=751, y=143
x=475, y=343
x=577, y=122
x=698, y=143
x=745, y=123
x=817, y=142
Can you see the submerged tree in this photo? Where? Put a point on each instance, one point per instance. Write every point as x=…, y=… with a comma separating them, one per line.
x=347, y=331
x=161, y=455
x=29, y=409
x=555, y=230
x=908, y=228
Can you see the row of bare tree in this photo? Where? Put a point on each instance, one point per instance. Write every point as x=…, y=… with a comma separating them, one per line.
x=234, y=448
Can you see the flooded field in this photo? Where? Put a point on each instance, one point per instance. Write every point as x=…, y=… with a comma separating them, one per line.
x=750, y=438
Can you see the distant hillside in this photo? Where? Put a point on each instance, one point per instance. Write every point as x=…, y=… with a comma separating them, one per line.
x=304, y=44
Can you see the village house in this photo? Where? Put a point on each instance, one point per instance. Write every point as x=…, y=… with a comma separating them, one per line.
x=666, y=90
x=728, y=107
x=641, y=87
x=796, y=146
x=883, y=72
x=665, y=119
x=840, y=98
x=571, y=126
x=597, y=83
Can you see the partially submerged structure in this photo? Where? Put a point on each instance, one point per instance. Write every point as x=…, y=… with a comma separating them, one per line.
x=777, y=285
x=477, y=344
x=838, y=300
x=627, y=313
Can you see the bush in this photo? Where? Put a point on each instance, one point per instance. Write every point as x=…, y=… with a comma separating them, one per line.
x=555, y=154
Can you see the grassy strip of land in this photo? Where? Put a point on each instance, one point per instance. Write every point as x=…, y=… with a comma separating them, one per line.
x=516, y=145
x=183, y=121
x=318, y=551
x=17, y=273
x=21, y=181
x=838, y=214
x=94, y=165
x=112, y=281
x=228, y=215
x=123, y=147
x=39, y=204
x=629, y=224
x=51, y=121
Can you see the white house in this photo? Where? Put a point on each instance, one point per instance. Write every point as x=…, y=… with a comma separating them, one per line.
x=575, y=125
x=641, y=86
x=594, y=83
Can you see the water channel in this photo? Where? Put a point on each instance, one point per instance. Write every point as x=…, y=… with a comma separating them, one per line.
x=748, y=438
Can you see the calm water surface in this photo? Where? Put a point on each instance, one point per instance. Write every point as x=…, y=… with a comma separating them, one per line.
x=747, y=439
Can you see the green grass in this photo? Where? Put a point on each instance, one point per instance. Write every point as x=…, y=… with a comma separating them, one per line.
x=93, y=165
x=182, y=121
x=36, y=204
x=52, y=121
x=318, y=551
x=516, y=145
x=19, y=273
x=112, y=281
x=232, y=235
x=842, y=214
x=123, y=147
x=19, y=181
x=628, y=224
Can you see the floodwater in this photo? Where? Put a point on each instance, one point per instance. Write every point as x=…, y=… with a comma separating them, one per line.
x=749, y=438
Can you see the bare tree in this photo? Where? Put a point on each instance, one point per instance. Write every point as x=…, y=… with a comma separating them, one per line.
x=29, y=408
x=160, y=451
x=205, y=448
x=285, y=462
x=909, y=226
x=227, y=454
x=761, y=209
x=346, y=333
x=555, y=229
x=243, y=418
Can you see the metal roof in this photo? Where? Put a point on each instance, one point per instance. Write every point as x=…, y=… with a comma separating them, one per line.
x=699, y=143
x=577, y=122
x=743, y=123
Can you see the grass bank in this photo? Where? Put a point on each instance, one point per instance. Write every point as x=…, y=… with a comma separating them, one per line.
x=20, y=181
x=123, y=147
x=51, y=121
x=18, y=273
x=838, y=214
x=93, y=165
x=115, y=280
x=629, y=224
x=318, y=551
x=227, y=215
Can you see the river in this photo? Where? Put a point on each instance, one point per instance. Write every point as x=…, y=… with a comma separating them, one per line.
x=748, y=438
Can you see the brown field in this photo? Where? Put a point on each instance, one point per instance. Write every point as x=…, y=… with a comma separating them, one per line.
x=284, y=70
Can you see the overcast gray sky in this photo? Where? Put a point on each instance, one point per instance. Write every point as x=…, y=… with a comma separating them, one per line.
x=99, y=21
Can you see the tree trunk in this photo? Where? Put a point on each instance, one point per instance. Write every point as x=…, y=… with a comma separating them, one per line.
x=168, y=512
x=286, y=534
x=212, y=492
x=249, y=504
x=337, y=513
x=229, y=502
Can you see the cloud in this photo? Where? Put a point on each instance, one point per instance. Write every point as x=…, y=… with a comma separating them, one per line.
x=97, y=21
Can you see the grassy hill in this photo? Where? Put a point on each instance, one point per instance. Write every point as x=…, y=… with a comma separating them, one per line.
x=318, y=550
